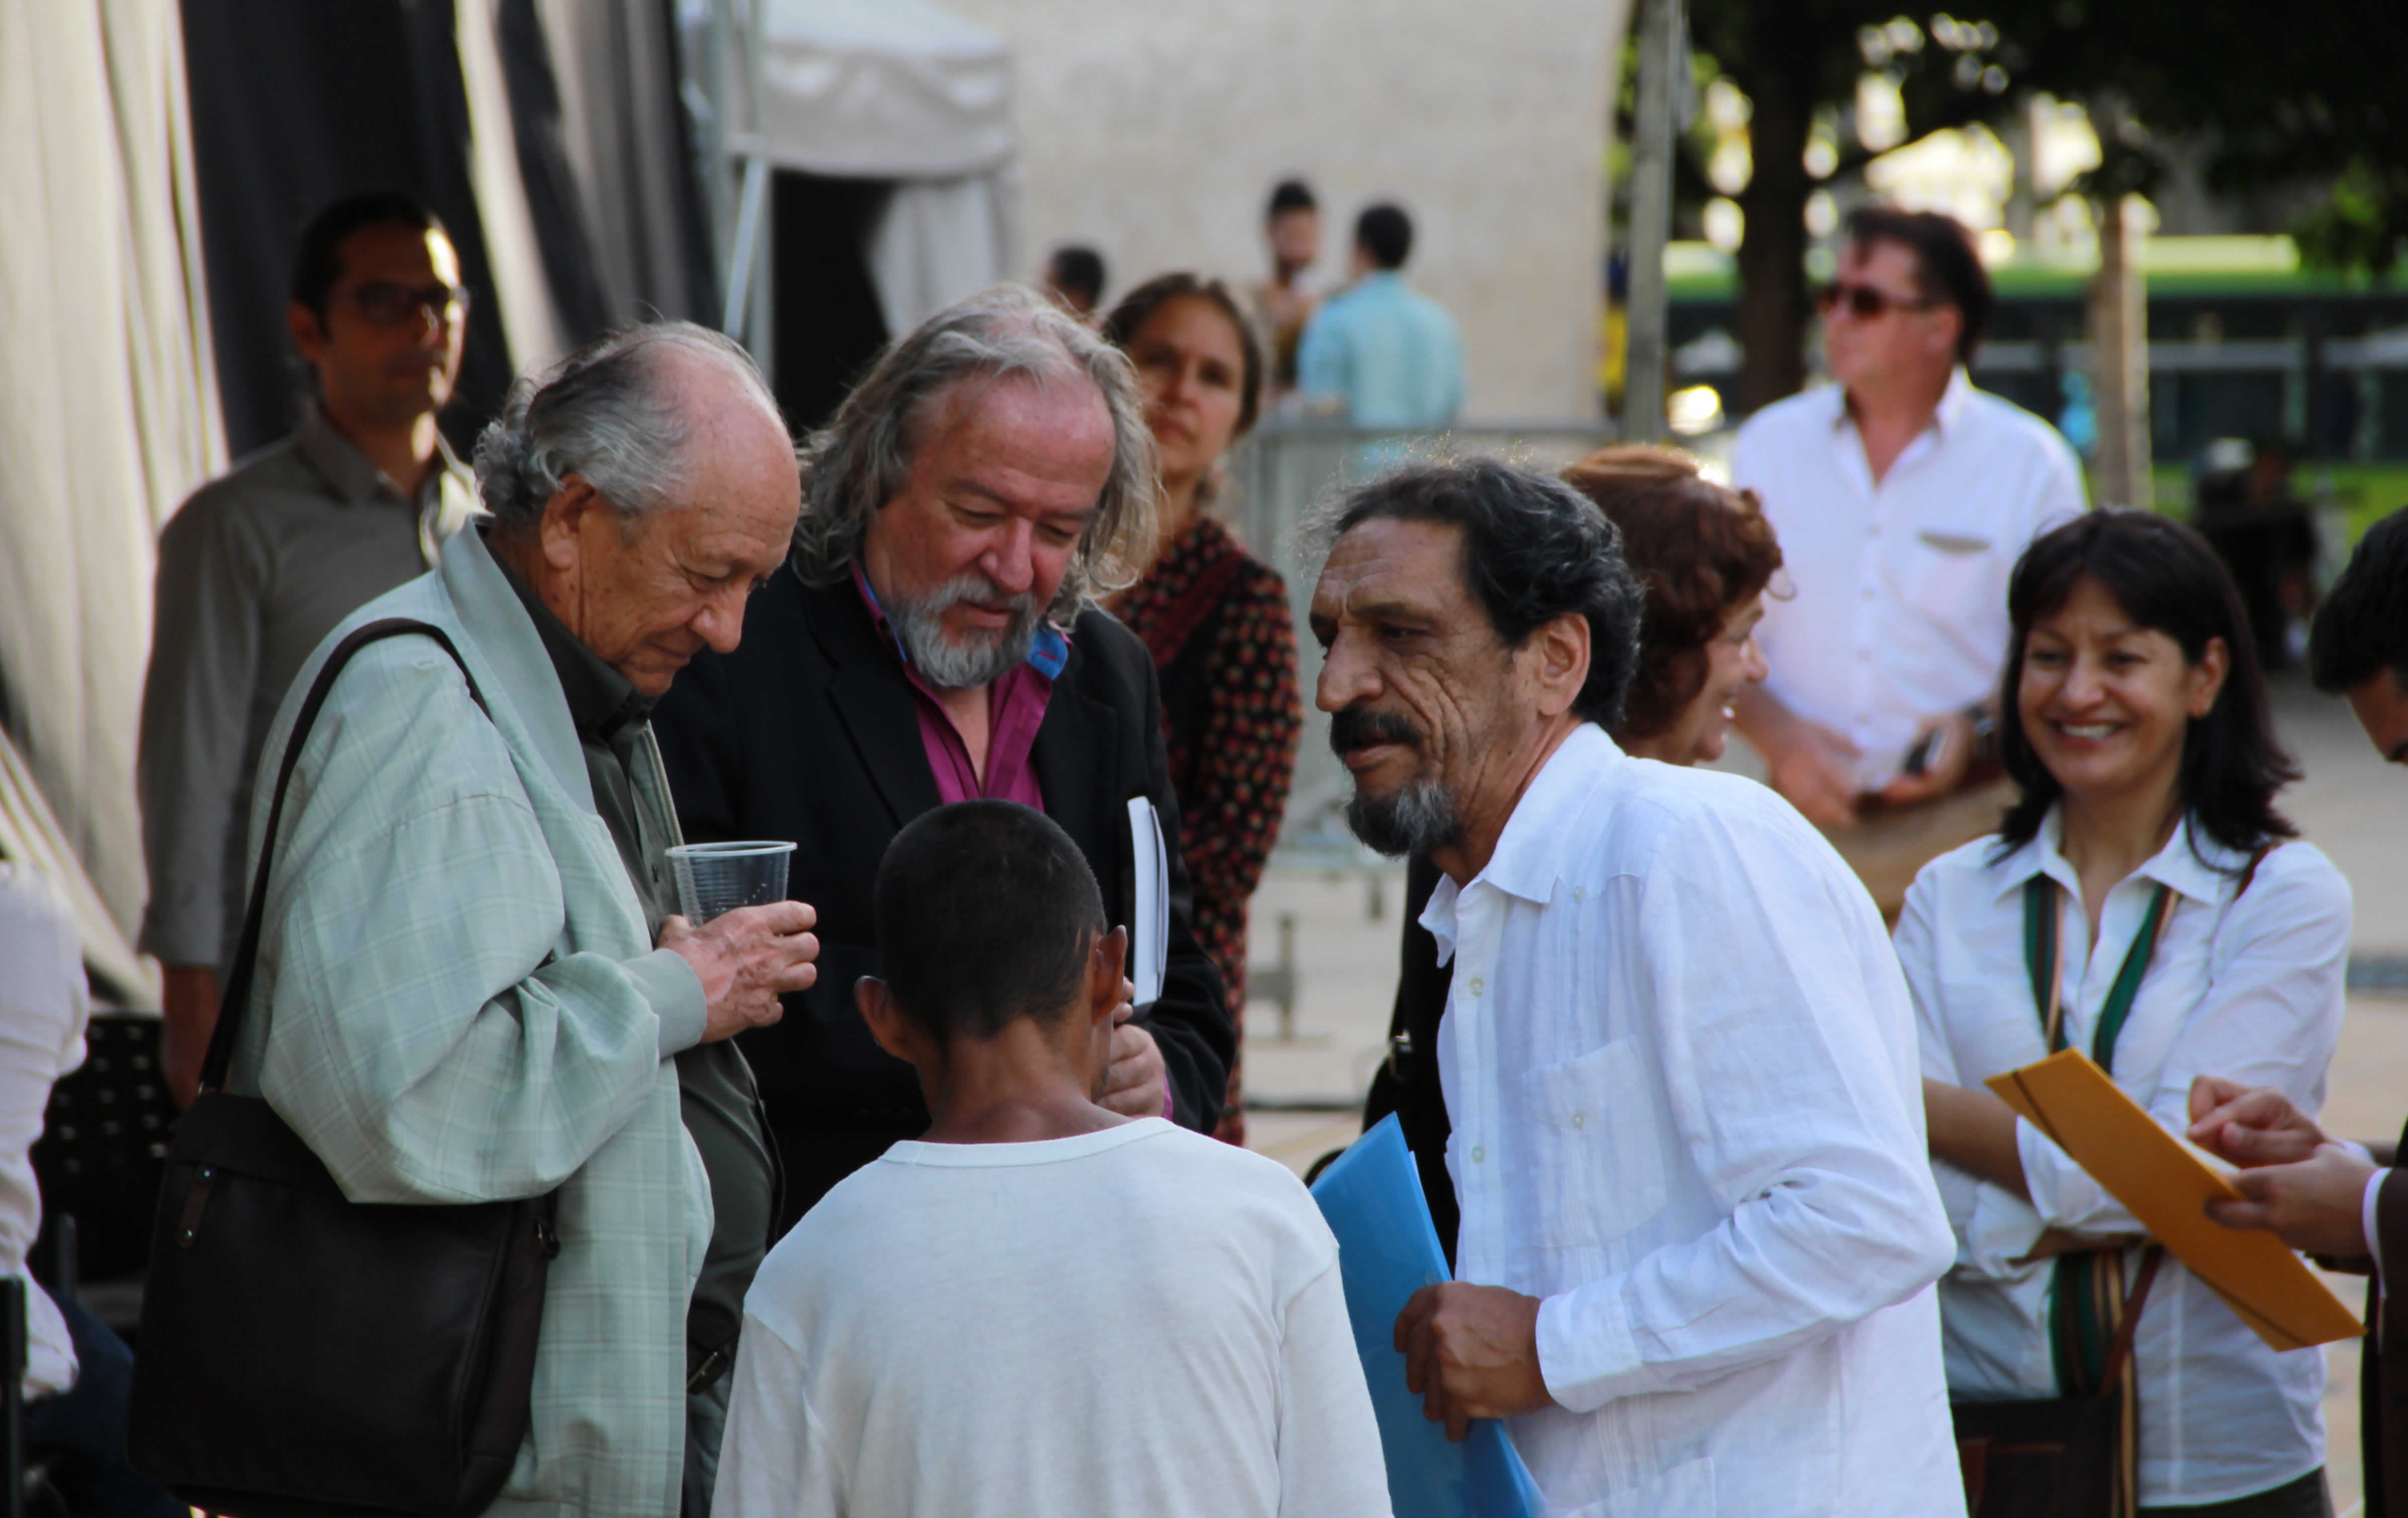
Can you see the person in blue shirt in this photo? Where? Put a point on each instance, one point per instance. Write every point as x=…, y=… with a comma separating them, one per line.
x=1385, y=354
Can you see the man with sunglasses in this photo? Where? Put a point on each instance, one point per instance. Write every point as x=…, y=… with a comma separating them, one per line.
x=1903, y=497
x=262, y=563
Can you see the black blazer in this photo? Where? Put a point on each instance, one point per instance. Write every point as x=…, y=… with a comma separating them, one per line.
x=807, y=732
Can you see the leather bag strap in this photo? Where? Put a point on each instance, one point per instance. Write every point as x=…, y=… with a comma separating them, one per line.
x=2120, y=1351
x=237, y=999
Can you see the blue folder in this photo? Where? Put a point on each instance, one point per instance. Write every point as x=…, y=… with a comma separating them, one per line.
x=1388, y=1250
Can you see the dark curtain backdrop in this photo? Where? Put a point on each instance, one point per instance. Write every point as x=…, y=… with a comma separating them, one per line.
x=296, y=103
x=824, y=316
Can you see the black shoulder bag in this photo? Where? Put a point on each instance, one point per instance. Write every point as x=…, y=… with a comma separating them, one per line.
x=2073, y=1455
x=303, y=1354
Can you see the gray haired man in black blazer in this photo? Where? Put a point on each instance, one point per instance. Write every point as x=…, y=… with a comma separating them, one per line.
x=931, y=641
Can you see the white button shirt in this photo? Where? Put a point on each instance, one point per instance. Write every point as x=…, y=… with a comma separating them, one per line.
x=1680, y=1067
x=1899, y=603
x=2249, y=988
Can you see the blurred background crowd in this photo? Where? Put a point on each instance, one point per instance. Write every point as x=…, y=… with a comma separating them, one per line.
x=1329, y=235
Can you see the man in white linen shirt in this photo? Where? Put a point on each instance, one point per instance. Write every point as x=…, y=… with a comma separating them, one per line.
x=1699, y=1234
x=1903, y=497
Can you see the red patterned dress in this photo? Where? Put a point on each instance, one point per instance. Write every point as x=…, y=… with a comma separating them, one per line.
x=1216, y=621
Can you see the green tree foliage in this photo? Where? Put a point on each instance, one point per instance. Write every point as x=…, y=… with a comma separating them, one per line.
x=2271, y=94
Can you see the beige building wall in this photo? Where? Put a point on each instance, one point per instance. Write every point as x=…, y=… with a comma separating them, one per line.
x=1155, y=132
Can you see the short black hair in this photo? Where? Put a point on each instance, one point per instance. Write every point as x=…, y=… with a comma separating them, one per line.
x=1386, y=233
x=319, y=262
x=1078, y=269
x=1949, y=265
x=2361, y=625
x=985, y=913
x=1290, y=195
x=2167, y=579
x=1534, y=549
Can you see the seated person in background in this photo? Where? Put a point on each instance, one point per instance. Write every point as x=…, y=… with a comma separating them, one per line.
x=1704, y=554
x=2193, y=934
x=1042, y=1306
x=77, y=1374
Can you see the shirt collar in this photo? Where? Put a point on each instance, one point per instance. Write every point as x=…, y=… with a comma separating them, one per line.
x=602, y=703
x=1528, y=859
x=1953, y=401
x=1944, y=416
x=2203, y=873
x=355, y=480
x=1048, y=651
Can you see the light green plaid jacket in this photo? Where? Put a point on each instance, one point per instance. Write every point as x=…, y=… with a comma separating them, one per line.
x=458, y=1001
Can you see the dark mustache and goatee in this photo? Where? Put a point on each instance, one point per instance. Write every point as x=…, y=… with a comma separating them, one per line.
x=1417, y=816
x=1356, y=727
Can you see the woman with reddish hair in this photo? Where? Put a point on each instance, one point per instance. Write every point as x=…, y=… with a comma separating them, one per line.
x=1706, y=556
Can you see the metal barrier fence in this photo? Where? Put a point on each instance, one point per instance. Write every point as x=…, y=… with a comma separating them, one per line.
x=1276, y=479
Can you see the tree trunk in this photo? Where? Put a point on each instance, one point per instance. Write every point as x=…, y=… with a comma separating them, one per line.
x=2119, y=360
x=1772, y=305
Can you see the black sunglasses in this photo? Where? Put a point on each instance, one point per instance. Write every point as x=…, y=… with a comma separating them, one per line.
x=384, y=304
x=1864, y=301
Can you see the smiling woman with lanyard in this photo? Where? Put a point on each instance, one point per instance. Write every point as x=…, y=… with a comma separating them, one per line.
x=2140, y=903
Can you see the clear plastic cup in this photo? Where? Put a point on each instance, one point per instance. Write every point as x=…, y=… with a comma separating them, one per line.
x=715, y=877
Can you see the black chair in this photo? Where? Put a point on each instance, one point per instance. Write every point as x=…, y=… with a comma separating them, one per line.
x=99, y=1162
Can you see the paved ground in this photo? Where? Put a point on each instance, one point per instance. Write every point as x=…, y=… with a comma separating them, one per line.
x=1310, y=1083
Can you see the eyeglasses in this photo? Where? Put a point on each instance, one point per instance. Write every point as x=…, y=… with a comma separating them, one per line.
x=385, y=304
x=1864, y=301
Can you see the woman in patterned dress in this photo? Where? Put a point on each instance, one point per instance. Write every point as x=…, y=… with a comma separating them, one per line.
x=1215, y=617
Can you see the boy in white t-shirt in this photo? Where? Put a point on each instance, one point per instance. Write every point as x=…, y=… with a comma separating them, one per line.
x=1041, y=1308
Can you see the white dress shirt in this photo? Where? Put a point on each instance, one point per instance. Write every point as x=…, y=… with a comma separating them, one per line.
x=43, y=1005
x=1898, y=609
x=1680, y=1066
x=2248, y=988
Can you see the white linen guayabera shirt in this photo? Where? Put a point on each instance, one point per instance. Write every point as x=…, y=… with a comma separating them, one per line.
x=2241, y=985
x=1898, y=609
x=1680, y=1066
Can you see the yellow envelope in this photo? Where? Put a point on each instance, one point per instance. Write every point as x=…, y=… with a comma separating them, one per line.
x=2167, y=1184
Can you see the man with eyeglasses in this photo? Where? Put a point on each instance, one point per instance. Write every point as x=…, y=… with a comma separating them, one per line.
x=1903, y=497
x=262, y=563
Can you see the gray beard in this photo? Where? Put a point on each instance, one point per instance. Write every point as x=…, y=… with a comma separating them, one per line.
x=919, y=622
x=1415, y=818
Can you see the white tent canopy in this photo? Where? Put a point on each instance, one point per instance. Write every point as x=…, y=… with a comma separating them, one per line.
x=900, y=90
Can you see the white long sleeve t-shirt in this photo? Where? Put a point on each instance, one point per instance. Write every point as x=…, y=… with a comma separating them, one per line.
x=1135, y=1320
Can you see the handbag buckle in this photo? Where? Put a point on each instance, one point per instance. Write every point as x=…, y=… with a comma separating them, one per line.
x=547, y=1237
x=188, y=1226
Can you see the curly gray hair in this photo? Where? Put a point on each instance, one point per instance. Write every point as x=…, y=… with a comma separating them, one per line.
x=609, y=413
x=858, y=462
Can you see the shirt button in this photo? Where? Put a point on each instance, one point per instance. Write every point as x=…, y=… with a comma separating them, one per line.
x=1579, y=1118
x=1475, y=985
x=1478, y=1153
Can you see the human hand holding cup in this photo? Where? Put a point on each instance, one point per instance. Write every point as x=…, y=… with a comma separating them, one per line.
x=746, y=943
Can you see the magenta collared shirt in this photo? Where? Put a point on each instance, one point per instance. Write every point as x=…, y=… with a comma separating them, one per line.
x=1015, y=710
